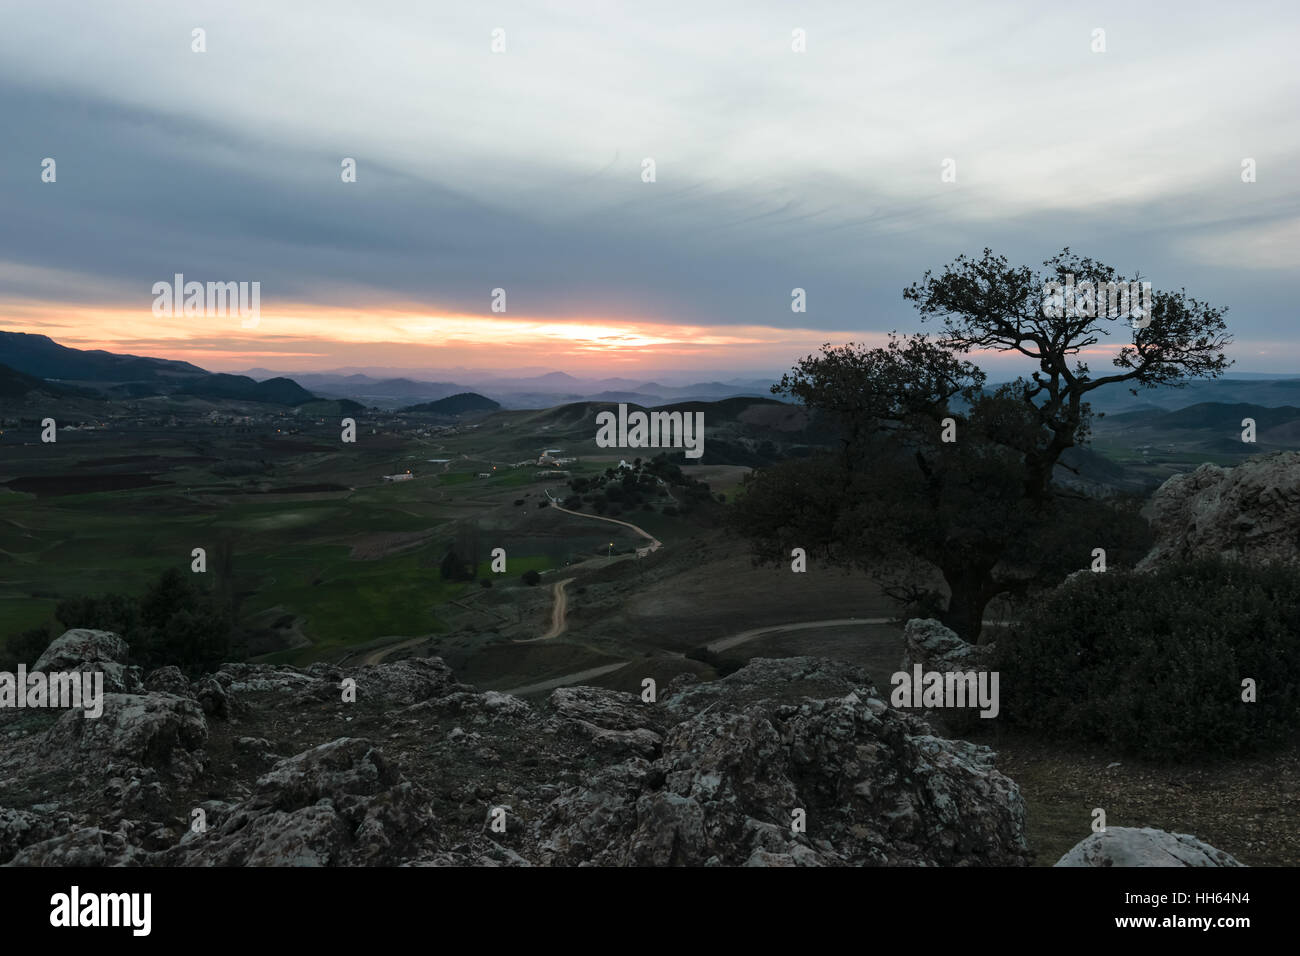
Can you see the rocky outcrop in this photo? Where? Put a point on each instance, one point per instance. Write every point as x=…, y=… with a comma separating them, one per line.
x=937, y=648
x=785, y=762
x=82, y=649
x=341, y=803
x=1133, y=846
x=842, y=781
x=162, y=731
x=611, y=721
x=1249, y=513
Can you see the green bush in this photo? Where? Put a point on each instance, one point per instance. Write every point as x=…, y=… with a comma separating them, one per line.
x=25, y=647
x=175, y=622
x=1153, y=663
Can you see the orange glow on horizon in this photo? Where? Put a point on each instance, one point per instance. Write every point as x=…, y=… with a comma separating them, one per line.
x=304, y=337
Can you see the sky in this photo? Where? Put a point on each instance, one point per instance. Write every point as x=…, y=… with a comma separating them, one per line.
x=523, y=169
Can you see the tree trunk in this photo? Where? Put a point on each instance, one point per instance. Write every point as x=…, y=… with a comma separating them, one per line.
x=971, y=591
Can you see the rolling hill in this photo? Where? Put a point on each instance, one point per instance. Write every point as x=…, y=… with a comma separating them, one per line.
x=65, y=372
x=42, y=357
x=463, y=404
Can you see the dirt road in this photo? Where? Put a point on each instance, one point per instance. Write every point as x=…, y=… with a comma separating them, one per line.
x=568, y=680
x=378, y=657
x=558, y=612
x=655, y=543
x=726, y=643
x=737, y=639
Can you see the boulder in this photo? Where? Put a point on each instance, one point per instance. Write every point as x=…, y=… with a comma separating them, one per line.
x=406, y=682
x=1144, y=846
x=937, y=648
x=162, y=731
x=168, y=680
x=87, y=846
x=82, y=646
x=20, y=828
x=83, y=649
x=341, y=803
x=875, y=786
x=1250, y=513
x=613, y=721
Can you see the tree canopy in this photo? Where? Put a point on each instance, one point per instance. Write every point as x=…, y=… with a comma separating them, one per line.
x=936, y=471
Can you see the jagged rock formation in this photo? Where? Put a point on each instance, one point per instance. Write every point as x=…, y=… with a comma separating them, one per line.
x=1145, y=846
x=82, y=649
x=1250, y=513
x=267, y=765
x=938, y=648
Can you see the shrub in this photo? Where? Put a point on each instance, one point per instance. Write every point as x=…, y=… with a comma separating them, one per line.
x=456, y=568
x=1153, y=663
x=531, y=577
x=25, y=647
x=175, y=622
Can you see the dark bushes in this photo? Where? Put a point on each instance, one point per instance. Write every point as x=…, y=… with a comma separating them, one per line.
x=1153, y=663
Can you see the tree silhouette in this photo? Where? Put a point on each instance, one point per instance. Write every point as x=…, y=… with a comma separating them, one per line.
x=937, y=473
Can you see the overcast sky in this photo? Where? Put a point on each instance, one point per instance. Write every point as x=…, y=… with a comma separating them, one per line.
x=522, y=170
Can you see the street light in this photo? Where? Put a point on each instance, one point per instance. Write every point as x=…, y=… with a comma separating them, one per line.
x=610, y=554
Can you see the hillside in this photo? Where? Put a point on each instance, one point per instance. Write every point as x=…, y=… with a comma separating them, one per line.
x=108, y=375
x=42, y=357
x=463, y=404
x=15, y=384
x=275, y=391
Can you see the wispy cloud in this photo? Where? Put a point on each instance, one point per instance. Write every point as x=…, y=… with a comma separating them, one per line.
x=522, y=170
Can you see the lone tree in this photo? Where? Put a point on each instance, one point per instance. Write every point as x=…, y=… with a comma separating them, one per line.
x=936, y=472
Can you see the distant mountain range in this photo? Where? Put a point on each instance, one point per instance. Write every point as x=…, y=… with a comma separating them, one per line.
x=525, y=391
x=1270, y=393
x=30, y=363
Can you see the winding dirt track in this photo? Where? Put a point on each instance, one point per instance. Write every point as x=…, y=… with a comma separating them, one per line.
x=655, y=543
x=744, y=636
x=726, y=643
x=568, y=680
x=377, y=657
x=558, y=612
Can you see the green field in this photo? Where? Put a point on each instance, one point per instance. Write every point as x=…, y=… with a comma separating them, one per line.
x=333, y=569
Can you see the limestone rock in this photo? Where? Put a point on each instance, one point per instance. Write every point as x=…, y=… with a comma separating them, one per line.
x=937, y=648
x=83, y=649
x=1249, y=513
x=1145, y=846
x=82, y=646
x=168, y=680
x=151, y=730
x=876, y=786
x=617, y=722
x=341, y=803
